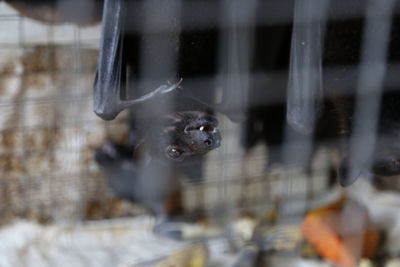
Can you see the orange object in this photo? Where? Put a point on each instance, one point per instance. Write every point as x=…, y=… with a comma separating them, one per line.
x=341, y=232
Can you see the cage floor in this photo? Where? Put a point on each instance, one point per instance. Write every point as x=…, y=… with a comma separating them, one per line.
x=124, y=243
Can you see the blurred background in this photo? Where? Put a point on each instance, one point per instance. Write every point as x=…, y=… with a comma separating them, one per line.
x=268, y=196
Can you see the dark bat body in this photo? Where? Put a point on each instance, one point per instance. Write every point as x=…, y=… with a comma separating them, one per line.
x=176, y=126
x=175, y=143
x=172, y=138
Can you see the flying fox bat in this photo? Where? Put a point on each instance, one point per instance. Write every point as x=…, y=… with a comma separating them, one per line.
x=177, y=141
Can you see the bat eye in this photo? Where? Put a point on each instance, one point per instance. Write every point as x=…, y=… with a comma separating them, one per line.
x=173, y=152
x=206, y=128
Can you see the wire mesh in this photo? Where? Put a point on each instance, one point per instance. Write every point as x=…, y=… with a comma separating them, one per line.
x=265, y=52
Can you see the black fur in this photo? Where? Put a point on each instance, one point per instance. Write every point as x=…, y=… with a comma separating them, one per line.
x=148, y=174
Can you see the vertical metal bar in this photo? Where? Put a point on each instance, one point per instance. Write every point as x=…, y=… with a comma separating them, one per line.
x=236, y=50
x=77, y=92
x=237, y=30
x=372, y=71
x=370, y=83
x=305, y=90
x=160, y=42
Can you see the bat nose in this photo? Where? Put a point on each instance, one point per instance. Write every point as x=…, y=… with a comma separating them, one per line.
x=211, y=144
x=208, y=142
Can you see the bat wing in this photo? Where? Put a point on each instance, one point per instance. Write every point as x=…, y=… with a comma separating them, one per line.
x=107, y=84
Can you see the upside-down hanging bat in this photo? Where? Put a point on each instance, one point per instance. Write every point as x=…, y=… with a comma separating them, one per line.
x=179, y=137
x=177, y=140
x=174, y=139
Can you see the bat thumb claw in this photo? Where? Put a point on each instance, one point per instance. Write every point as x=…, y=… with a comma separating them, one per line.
x=169, y=87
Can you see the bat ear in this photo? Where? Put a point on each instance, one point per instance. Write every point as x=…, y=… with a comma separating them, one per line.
x=347, y=175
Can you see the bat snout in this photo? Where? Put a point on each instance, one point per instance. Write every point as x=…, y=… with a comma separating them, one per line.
x=211, y=143
x=212, y=140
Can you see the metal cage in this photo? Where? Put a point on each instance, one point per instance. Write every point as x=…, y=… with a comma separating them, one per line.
x=284, y=62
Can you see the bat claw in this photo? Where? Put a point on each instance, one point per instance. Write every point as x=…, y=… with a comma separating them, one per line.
x=169, y=87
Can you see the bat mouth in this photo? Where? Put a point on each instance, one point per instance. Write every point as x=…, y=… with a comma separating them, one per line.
x=209, y=128
x=210, y=144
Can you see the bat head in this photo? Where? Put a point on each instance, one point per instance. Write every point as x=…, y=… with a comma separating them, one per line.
x=184, y=135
